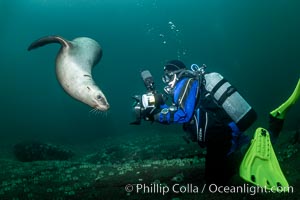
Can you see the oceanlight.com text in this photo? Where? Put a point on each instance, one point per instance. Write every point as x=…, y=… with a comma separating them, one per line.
x=197, y=189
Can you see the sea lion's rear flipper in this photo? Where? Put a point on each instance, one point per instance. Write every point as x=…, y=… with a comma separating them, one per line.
x=47, y=40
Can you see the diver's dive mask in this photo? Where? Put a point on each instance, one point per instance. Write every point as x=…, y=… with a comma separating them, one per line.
x=171, y=78
x=171, y=83
x=168, y=77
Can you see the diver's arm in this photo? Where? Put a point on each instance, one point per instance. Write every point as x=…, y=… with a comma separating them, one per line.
x=180, y=112
x=170, y=115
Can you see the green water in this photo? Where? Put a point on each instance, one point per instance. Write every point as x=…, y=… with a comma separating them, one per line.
x=255, y=45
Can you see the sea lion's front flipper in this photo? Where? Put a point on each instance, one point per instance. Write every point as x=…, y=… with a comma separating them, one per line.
x=47, y=40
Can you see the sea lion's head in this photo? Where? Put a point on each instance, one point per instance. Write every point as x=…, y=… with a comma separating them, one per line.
x=96, y=99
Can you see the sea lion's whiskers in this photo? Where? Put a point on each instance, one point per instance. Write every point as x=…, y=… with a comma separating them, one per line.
x=103, y=114
x=99, y=112
x=93, y=111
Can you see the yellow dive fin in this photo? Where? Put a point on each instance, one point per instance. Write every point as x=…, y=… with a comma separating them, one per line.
x=283, y=108
x=260, y=165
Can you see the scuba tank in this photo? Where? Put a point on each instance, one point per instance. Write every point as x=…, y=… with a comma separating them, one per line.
x=230, y=100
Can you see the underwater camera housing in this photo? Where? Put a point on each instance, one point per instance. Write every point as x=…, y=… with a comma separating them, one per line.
x=144, y=101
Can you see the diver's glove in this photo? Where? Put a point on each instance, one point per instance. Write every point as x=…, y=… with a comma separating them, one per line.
x=160, y=99
x=148, y=114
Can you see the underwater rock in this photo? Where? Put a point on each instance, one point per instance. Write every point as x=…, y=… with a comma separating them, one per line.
x=296, y=137
x=178, y=178
x=34, y=151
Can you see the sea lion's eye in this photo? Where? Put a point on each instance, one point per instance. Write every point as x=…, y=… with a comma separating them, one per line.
x=99, y=97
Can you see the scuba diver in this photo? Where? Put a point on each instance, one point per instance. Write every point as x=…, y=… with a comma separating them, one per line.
x=212, y=111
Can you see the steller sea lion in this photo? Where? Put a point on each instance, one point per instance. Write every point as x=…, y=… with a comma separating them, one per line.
x=74, y=63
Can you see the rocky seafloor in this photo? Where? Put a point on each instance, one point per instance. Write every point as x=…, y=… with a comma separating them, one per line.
x=140, y=168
